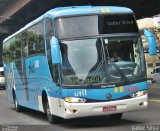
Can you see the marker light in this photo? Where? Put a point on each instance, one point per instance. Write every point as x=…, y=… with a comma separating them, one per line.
x=139, y=93
x=70, y=111
x=75, y=100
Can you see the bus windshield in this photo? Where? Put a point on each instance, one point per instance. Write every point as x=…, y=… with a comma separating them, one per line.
x=94, y=25
x=102, y=60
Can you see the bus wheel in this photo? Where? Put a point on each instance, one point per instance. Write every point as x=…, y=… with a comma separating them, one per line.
x=51, y=118
x=116, y=116
x=18, y=108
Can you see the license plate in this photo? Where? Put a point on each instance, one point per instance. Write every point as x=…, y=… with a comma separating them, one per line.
x=109, y=108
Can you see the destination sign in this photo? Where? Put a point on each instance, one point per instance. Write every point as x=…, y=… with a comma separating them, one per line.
x=117, y=24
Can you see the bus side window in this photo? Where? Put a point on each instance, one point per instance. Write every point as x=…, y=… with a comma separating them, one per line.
x=40, y=38
x=25, y=43
x=13, y=48
x=31, y=41
x=18, y=46
x=6, y=52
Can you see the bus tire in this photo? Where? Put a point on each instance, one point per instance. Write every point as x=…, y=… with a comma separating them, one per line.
x=116, y=116
x=51, y=118
x=18, y=108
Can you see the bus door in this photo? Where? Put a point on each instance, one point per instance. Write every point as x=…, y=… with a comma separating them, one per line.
x=53, y=68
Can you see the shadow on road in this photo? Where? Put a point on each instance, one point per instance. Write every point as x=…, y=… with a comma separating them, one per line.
x=33, y=114
x=97, y=121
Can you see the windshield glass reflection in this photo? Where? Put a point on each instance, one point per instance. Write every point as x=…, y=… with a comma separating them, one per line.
x=102, y=60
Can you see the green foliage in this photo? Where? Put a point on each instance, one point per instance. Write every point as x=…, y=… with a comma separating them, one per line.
x=27, y=40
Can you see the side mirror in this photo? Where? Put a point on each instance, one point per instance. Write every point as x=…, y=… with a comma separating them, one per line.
x=55, y=50
x=151, y=42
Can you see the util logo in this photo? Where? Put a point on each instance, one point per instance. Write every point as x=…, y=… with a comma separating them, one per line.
x=81, y=93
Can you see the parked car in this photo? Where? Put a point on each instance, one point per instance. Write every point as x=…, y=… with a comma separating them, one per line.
x=156, y=74
x=2, y=80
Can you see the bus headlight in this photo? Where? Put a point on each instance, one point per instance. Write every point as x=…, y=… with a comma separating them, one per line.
x=75, y=100
x=138, y=93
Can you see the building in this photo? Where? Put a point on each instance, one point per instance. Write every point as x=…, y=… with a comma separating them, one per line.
x=152, y=24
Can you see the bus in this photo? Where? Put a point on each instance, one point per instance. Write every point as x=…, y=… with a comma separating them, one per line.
x=63, y=63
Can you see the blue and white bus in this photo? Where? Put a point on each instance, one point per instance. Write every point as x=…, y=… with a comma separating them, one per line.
x=76, y=62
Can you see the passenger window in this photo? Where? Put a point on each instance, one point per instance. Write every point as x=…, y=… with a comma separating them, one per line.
x=25, y=43
x=31, y=41
x=12, y=49
x=6, y=52
x=40, y=38
x=18, y=47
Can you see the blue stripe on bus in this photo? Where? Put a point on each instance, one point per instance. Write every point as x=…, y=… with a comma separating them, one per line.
x=100, y=94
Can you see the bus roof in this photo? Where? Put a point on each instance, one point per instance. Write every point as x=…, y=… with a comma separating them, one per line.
x=74, y=10
x=77, y=10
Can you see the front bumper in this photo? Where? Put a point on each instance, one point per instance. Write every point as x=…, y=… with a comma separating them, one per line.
x=74, y=110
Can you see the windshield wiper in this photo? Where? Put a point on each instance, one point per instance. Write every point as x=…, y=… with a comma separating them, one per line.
x=99, y=67
x=118, y=69
x=96, y=71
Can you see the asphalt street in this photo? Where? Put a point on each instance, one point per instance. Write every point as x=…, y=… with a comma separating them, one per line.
x=30, y=120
